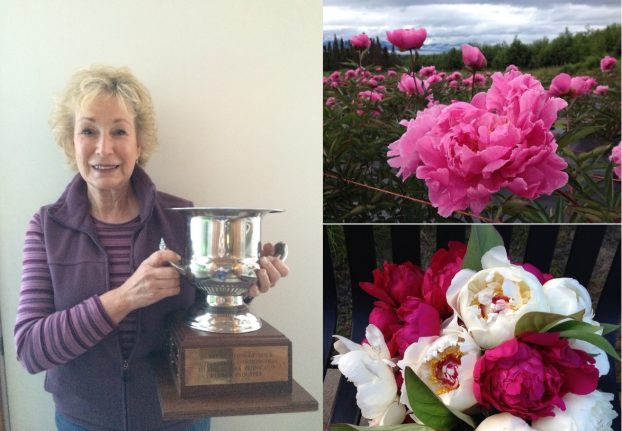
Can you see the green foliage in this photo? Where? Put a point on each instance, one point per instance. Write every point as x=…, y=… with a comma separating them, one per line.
x=428, y=407
x=483, y=237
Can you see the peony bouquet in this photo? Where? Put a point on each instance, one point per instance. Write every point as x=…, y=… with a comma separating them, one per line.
x=478, y=342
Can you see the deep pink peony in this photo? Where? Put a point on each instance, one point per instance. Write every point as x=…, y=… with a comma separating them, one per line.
x=465, y=152
x=560, y=85
x=445, y=263
x=528, y=377
x=607, y=63
x=405, y=39
x=616, y=159
x=427, y=71
x=384, y=317
x=419, y=320
x=394, y=283
x=360, y=41
x=601, y=89
x=472, y=57
x=410, y=85
x=581, y=85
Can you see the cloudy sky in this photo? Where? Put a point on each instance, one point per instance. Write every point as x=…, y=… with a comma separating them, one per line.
x=452, y=22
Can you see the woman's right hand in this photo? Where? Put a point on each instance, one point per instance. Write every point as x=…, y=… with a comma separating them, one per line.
x=152, y=281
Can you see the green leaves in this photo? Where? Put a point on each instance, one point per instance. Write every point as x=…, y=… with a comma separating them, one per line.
x=573, y=328
x=537, y=321
x=428, y=408
x=483, y=238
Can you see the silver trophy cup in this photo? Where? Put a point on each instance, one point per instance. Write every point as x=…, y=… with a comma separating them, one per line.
x=223, y=248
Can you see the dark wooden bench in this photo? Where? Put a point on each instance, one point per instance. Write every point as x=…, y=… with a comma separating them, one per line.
x=406, y=244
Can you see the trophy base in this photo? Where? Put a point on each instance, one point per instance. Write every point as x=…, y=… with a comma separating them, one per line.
x=223, y=320
x=211, y=364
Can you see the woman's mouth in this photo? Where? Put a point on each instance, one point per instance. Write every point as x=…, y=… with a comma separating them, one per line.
x=104, y=167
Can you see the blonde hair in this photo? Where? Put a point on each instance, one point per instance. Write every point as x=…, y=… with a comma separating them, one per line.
x=92, y=81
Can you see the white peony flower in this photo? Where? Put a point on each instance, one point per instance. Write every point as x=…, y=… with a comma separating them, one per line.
x=505, y=422
x=592, y=412
x=445, y=363
x=567, y=296
x=491, y=301
x=370, y=369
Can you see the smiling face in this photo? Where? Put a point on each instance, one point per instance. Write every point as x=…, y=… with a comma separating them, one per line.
x=106, y=146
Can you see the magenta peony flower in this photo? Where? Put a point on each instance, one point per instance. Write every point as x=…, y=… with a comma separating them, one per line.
x=384, y=316
x=607, y=63
x=394, y=283
x=433, y=79
x=419, y=320
x=616, y=159
x=427, y=71
x=360, y=41
x=465, y=152
x=581, y=85
x=405, y=39
x=528, y=377
x=601, y=89
x=472, y=57
x=454, y=75
x=373, y=96
x=453, y=84
x=437, y=278
x=330, y=102
x=391, y=73
x=560, y=85
x=410, y=85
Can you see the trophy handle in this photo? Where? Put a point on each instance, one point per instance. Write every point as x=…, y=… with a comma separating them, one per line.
x=183, y=270
x=280, y=250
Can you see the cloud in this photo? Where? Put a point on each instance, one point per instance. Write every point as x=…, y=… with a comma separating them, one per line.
x=454, y=22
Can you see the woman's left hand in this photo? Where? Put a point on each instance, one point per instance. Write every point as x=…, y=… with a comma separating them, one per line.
x=271, y=270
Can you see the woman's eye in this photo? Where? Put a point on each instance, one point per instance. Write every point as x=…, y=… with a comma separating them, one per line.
x=120, y=132
x=87, y=131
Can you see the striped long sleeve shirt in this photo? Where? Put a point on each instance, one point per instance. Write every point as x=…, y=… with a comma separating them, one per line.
x=46, y=337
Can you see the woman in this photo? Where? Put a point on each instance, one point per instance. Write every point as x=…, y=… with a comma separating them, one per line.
x=96, y=289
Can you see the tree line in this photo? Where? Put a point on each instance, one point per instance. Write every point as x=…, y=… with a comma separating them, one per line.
x=585, y=48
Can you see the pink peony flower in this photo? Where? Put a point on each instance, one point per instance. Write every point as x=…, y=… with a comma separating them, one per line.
x=433, y=79
x=410, y=85
x=454, y=75
x=427, y=71
x=394, y=283
x=607, y=63
x=465, y=152
x=528, y=377
x=453, y=84
x=350, y=73
x=511, y=68
x=360, y=41
x=601, y=89
x=616, y=159
x=405, y=39
x=330, y=102
x=472, y=57
x=391, y=73
x=581, y=85
x=373, y=96
x=384, y=316
x=437, y=278
x=420, y=320
x=560, y=85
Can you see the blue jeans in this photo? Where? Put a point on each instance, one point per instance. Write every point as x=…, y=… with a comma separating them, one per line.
x=64, y=424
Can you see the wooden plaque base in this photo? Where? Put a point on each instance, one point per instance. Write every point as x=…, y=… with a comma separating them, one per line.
x=205, y=364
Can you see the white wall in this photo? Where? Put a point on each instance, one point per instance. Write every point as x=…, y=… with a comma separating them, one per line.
x=236, y=87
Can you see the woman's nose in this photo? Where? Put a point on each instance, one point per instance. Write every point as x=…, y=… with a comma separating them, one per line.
x=104, y=145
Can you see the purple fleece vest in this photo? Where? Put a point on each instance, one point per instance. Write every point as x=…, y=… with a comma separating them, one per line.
x=94, y=390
